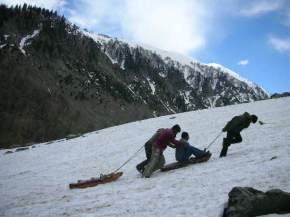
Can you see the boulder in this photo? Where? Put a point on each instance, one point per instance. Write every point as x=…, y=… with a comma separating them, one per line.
x=21, y=149
x=249, y=202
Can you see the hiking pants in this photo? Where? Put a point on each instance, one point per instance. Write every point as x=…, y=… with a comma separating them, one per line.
x=232, y=137
x=156, y=162
x=148, y=151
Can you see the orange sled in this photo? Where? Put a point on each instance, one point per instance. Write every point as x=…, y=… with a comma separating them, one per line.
x=96, y=181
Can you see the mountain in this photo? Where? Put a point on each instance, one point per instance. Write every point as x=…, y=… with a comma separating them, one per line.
x=57, y=79
x=35, y=182
x=279, y=95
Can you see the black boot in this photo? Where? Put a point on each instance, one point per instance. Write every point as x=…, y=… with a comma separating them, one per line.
x=224, y=149
x=140, y=168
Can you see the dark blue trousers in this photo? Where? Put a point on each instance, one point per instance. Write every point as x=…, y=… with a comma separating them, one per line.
x=190, y=150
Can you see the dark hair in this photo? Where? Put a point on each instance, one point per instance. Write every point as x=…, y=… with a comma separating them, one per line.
x=176, y=128
x=254, y=118
x=184, y=135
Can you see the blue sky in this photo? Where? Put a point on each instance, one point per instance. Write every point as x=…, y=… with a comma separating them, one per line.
x=251, y=37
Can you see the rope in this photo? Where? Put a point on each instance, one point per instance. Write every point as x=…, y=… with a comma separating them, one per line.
x=129, y=159
x=262, y=122
x=214, y=140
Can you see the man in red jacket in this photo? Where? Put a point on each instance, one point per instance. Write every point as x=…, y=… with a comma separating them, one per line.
x=157, y=160
x=148, y=151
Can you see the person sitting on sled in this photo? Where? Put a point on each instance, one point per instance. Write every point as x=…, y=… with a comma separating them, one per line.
x=184, y=151
x=234, y=128
x=157, y=160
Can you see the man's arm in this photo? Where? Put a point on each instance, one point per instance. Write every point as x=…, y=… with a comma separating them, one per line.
x=171, y=145
x=226, y=128
x=176, y=142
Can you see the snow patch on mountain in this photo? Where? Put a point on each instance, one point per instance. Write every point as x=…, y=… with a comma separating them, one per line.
x=2, y=45
x=97, y=37
x=152, y=86
x=182, y=59
x=113, y=61
x=24, y=41
x=231, y=73
x=235, y=75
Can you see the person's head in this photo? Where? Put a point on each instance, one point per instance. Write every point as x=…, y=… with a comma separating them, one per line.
x=185, y=135
x=254, y=118
x=176, y=129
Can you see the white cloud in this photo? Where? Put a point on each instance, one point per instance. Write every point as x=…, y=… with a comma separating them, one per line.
x=96, y=13
x=243, y=62
x=279, y=44
x=49, y=4
x=260, y=7
x=177, y=25
x=171, y=25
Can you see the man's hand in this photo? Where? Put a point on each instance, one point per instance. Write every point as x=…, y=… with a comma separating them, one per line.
x=261, y=122
x=171, y=145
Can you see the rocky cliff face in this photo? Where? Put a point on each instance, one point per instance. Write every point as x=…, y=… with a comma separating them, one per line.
x=195, y=85
x=57, y=80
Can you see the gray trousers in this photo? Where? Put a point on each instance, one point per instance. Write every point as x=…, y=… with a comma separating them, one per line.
x=156, y=162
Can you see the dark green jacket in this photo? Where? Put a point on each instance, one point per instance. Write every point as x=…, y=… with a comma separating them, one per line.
x=238, y=123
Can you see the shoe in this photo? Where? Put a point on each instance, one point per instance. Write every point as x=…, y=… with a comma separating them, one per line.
x=140, y=170
x=224, y=151
x=206, y=154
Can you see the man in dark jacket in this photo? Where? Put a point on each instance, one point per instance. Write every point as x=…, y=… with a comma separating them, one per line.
x=234, y=128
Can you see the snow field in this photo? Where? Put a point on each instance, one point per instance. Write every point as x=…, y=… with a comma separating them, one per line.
x=35, y=182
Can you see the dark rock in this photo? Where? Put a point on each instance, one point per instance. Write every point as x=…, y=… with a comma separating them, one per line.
x=272, y=158
x=33, y=146
x=72, y=136
x=249, y=202
x=21, y=149
x=8, y=152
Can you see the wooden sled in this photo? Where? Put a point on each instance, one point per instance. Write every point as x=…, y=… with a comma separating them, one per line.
x=190, y=161
x=96, y=181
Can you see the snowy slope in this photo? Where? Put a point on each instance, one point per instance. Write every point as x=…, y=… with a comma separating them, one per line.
x=35, y=182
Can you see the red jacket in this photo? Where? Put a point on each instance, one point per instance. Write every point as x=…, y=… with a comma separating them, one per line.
x=166, y=136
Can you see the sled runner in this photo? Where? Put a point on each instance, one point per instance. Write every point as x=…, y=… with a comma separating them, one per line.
x=190, y=161
x=96, y=181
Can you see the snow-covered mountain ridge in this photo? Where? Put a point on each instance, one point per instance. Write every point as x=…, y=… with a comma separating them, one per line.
x=180, y=61
x=35, y=182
